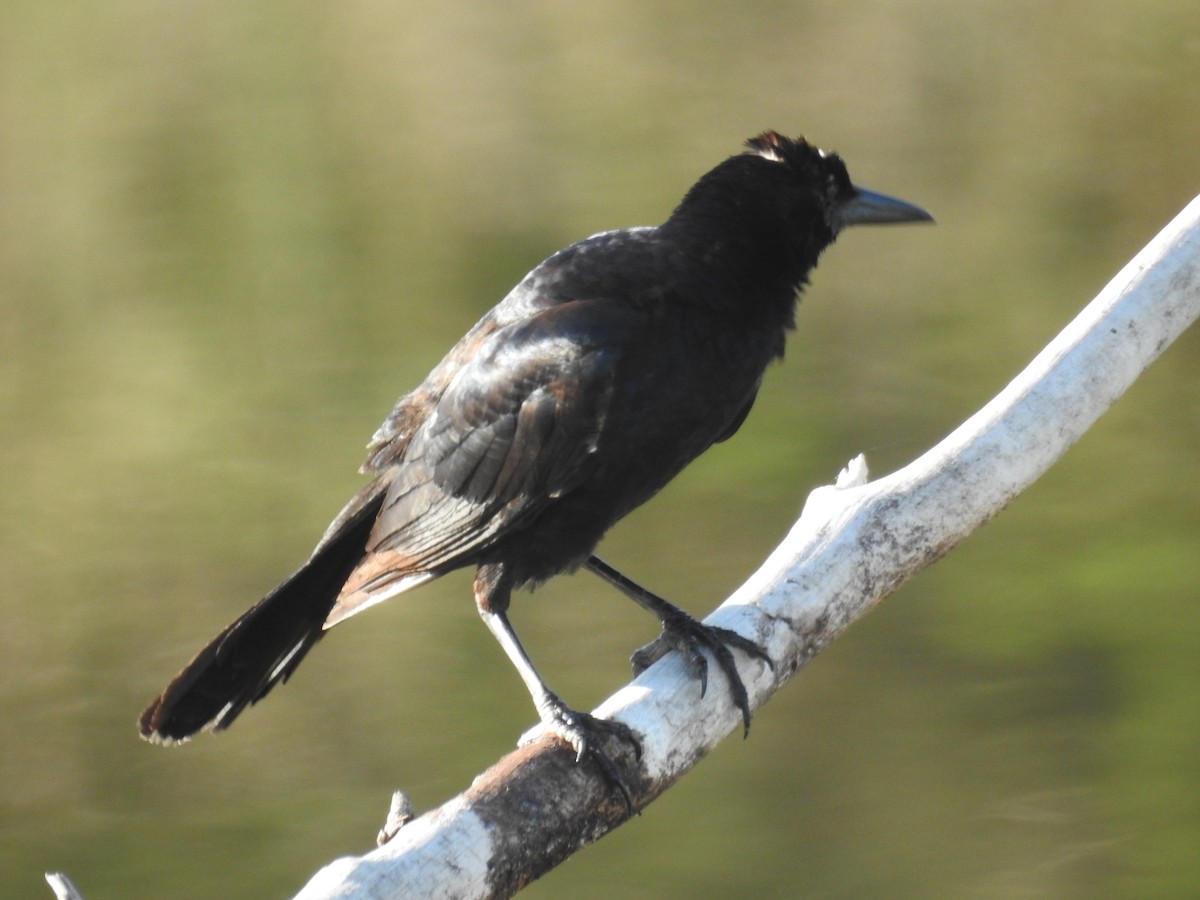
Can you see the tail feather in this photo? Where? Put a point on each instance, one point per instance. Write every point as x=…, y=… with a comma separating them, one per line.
x=263, y=647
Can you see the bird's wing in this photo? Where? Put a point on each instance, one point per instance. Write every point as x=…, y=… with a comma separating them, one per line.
x=390, y=442
x=515, y=427
x=553, y=283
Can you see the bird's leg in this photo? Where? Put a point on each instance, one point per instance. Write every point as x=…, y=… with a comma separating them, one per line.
x=579, y=730
x=690, y=637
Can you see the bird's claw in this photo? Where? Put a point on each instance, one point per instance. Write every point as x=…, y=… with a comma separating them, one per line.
x=584, y=734
x=691, y=638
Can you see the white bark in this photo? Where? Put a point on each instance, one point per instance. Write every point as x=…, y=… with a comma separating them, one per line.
x=62, y=886
x=854, y=543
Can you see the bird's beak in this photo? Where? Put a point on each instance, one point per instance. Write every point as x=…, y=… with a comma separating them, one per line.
x=869, y=208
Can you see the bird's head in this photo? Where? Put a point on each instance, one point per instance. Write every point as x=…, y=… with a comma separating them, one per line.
x=811, y=180
x=761, y=219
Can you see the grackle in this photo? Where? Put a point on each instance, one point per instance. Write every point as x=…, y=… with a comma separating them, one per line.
x=610, y=367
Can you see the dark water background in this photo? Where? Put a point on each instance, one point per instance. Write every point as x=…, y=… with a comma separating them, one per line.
x=232, y=234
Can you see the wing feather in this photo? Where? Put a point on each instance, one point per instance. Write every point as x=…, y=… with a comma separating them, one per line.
x=515, y=428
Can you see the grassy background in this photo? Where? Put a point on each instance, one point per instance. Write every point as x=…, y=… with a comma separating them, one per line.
x=232, y=234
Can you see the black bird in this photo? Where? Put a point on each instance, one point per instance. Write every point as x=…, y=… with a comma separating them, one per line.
x=610, y=367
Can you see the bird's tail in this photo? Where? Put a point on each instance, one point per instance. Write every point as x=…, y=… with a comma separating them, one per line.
x=264, y=646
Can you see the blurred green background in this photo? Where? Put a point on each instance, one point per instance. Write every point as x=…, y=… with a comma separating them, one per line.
x=232, y=234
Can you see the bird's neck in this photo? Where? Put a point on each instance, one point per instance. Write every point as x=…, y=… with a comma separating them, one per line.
x=737, y=262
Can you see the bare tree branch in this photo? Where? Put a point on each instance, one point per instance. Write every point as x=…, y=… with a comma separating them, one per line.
x=854, y=544
x=62, y=886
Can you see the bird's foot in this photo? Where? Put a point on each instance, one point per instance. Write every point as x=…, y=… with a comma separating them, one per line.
x=585, y=735
x=691, y=638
